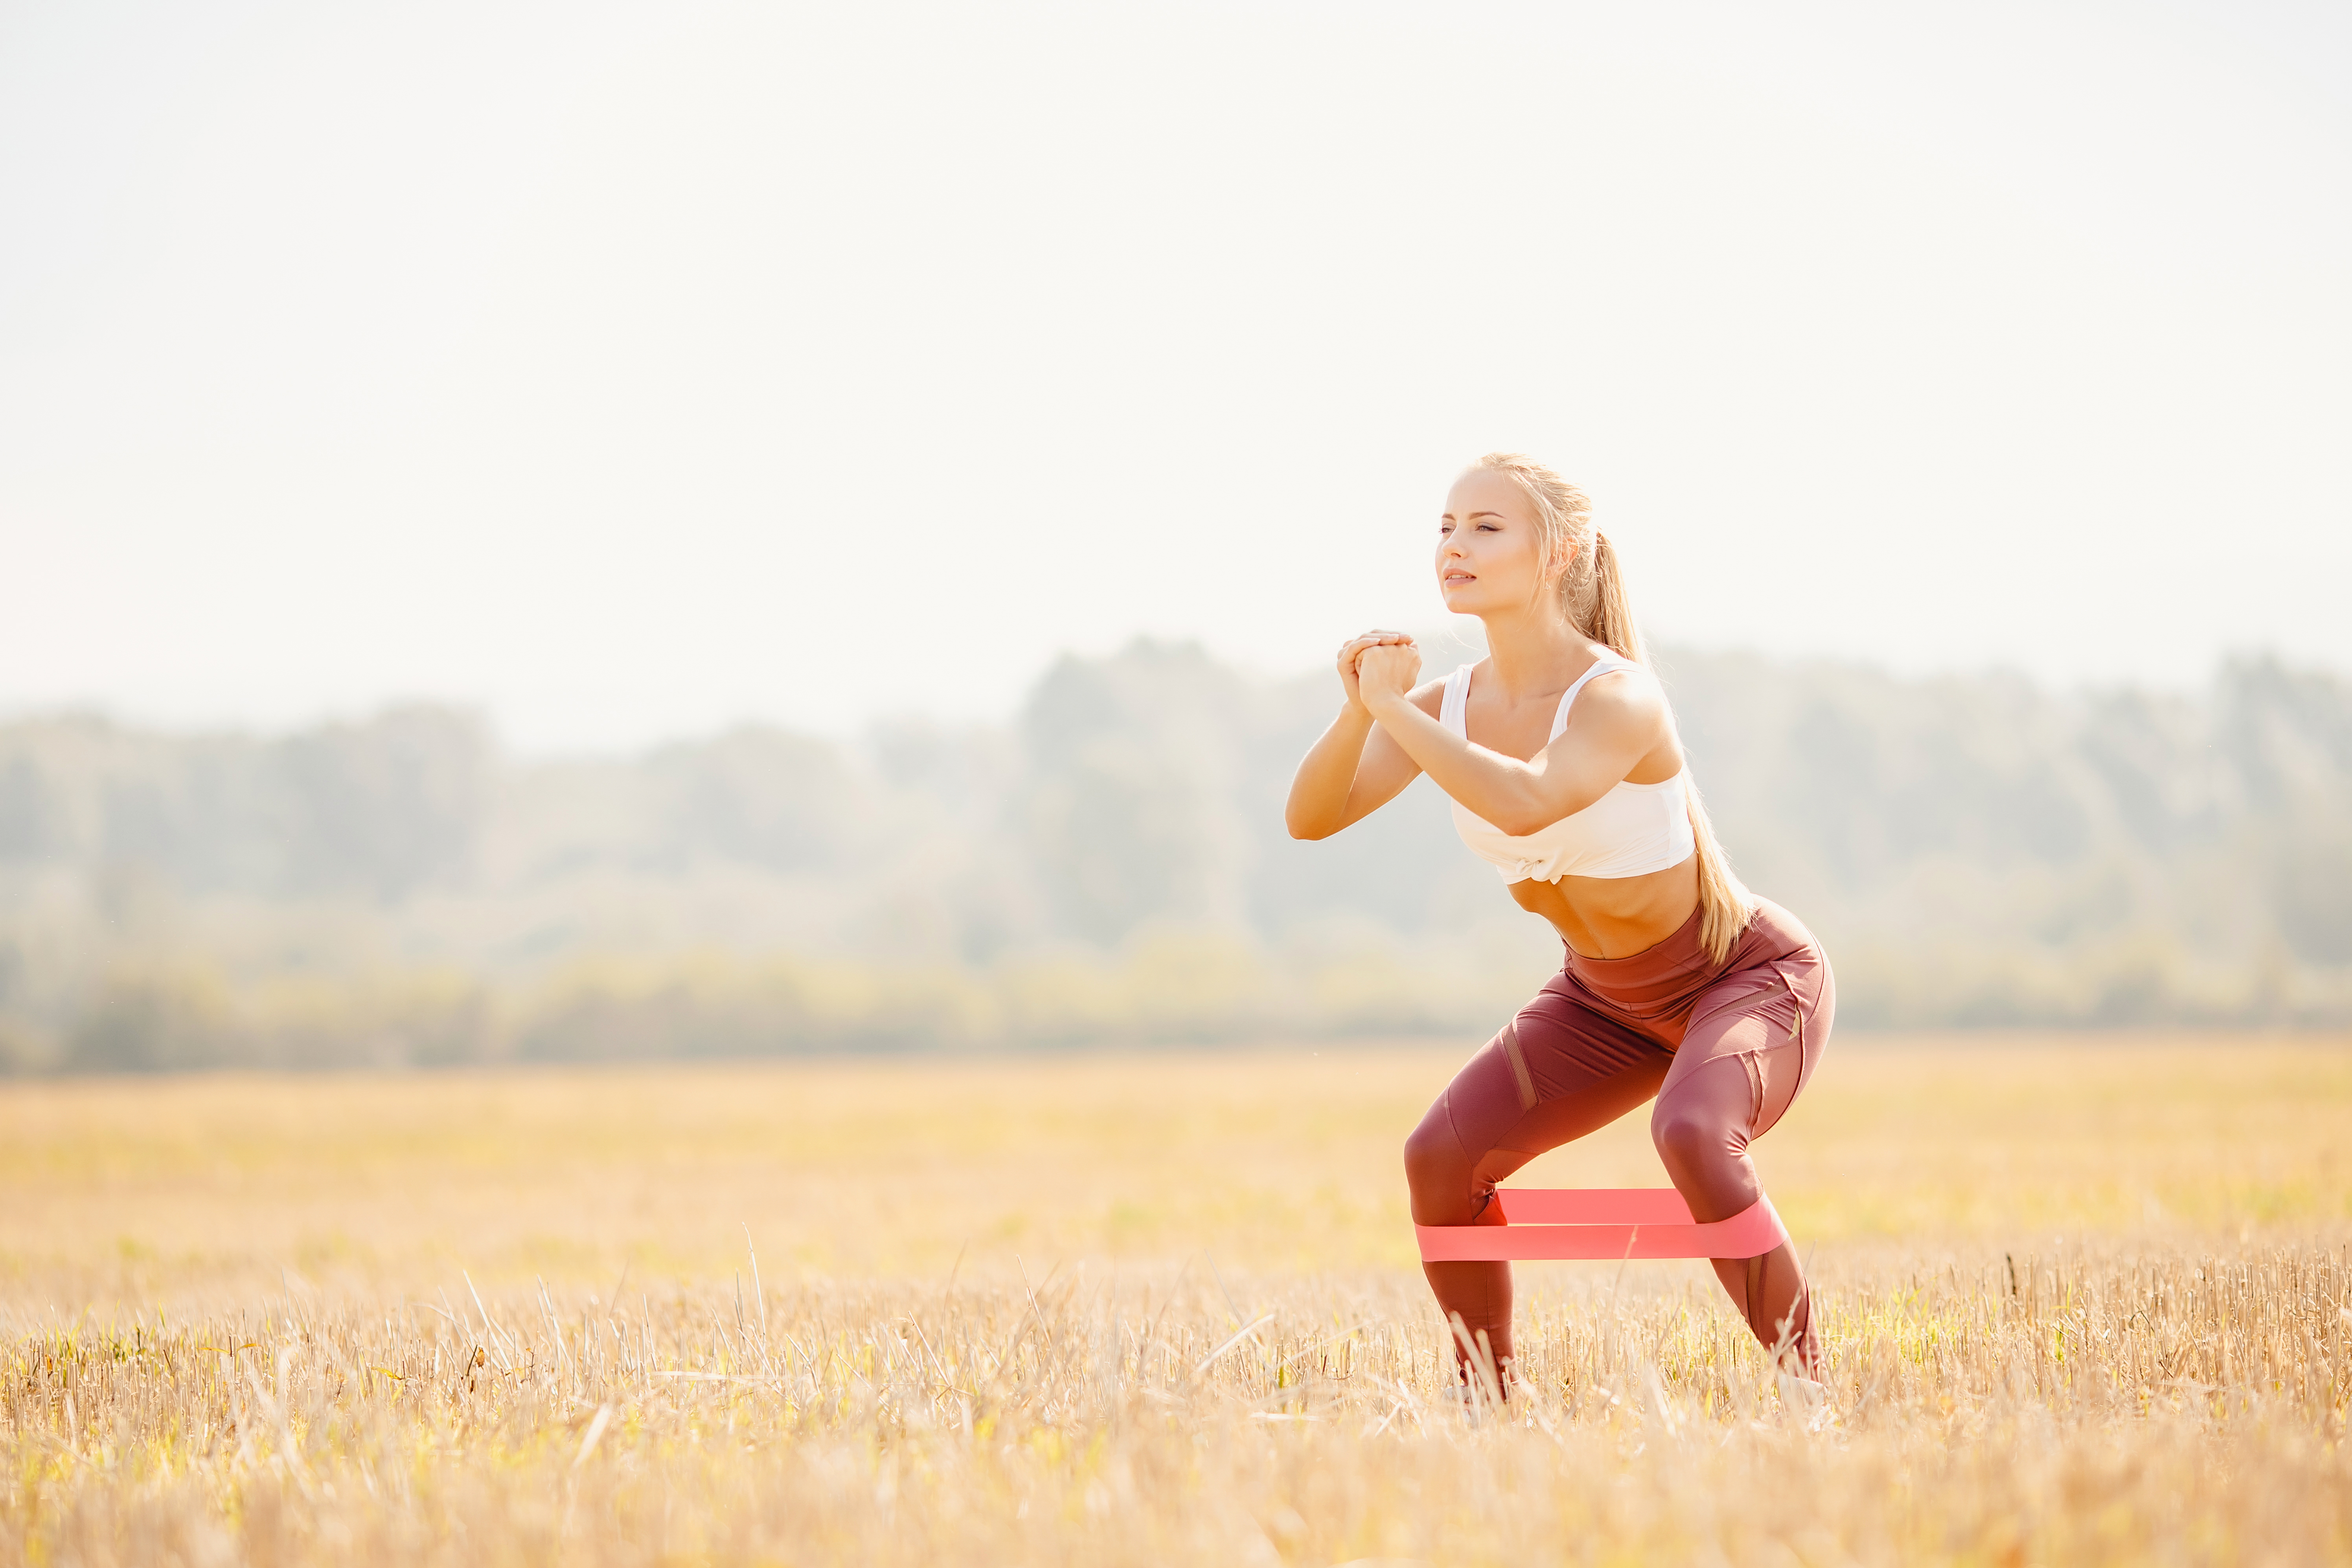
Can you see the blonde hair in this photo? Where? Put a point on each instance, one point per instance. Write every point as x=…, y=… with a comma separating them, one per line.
x=1593, y=592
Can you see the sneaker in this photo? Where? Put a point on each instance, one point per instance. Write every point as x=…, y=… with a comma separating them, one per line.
x=1806, y=1402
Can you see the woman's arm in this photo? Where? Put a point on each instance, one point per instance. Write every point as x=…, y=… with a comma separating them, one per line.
x=1614, y=724
x=1354, y=768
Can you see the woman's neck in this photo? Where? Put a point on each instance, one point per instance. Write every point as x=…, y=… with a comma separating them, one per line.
x=1535, y=651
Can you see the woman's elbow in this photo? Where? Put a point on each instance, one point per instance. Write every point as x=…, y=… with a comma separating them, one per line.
x=1311, y=819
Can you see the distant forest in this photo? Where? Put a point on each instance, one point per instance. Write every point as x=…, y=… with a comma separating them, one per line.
x=1111, y=868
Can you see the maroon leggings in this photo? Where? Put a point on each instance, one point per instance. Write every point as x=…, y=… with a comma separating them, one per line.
x=1723, y=1049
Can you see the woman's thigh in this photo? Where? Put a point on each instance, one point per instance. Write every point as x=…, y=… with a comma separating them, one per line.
x=1773, y=1020
x=1558, y=1070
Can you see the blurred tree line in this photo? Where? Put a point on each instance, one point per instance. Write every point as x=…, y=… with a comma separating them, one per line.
x=1111, y=867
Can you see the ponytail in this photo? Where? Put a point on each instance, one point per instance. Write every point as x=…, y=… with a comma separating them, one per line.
x=1725, y=905
x=1593, y=591
x=1608, y=617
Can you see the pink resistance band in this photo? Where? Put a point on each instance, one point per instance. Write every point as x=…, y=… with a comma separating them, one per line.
x=1600, y=1221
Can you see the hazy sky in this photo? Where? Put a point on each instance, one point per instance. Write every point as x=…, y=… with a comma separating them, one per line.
x=628, y=371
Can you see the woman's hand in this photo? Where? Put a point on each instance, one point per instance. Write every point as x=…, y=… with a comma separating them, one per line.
x=1386, y=672
x=1352, y=649
x=1355, y=767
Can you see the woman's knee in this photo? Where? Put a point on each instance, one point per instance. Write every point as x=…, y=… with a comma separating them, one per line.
x=1705, y=1115
x=1687, y=1136
x=1700, y=1127
x=1436, y=1167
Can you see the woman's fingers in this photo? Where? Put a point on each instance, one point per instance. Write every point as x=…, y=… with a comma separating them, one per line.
x=1353, y=650
x=1388, y=663
x=1372, y=639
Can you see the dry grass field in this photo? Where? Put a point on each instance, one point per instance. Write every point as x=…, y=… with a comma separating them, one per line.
x=2087, y=1301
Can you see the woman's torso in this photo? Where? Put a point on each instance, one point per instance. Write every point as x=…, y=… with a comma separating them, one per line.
x=1610, y=915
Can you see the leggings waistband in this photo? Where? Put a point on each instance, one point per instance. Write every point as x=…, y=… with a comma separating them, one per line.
x=1666, y=978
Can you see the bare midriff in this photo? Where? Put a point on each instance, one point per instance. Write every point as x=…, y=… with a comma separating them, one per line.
x=1614, y=917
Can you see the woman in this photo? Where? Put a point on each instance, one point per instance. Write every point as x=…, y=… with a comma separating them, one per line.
x=1561, y=754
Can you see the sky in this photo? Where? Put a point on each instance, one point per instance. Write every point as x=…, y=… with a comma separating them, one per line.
x=630, y=371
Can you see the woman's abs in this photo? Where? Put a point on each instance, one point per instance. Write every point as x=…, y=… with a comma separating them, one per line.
x=1614, y=917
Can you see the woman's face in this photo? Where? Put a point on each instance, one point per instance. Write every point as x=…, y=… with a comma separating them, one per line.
x=1489, y=549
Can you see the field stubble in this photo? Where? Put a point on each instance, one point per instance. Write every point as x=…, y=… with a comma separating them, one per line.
x=2085, y=1303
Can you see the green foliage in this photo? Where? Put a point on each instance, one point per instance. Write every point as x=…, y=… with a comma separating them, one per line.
x=1112, y=869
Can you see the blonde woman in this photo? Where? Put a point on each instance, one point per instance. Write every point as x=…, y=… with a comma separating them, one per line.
x=1559, y=752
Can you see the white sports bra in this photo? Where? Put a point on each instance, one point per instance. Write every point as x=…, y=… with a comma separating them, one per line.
x=1633, y=830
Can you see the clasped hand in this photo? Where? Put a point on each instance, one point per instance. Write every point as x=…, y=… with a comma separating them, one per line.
x=1378, y=667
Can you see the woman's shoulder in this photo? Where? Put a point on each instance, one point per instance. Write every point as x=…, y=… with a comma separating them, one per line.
x=1621, y=689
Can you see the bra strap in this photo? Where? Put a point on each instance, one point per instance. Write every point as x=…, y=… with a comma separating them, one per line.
x=1607, y=664
x=1454, y=708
